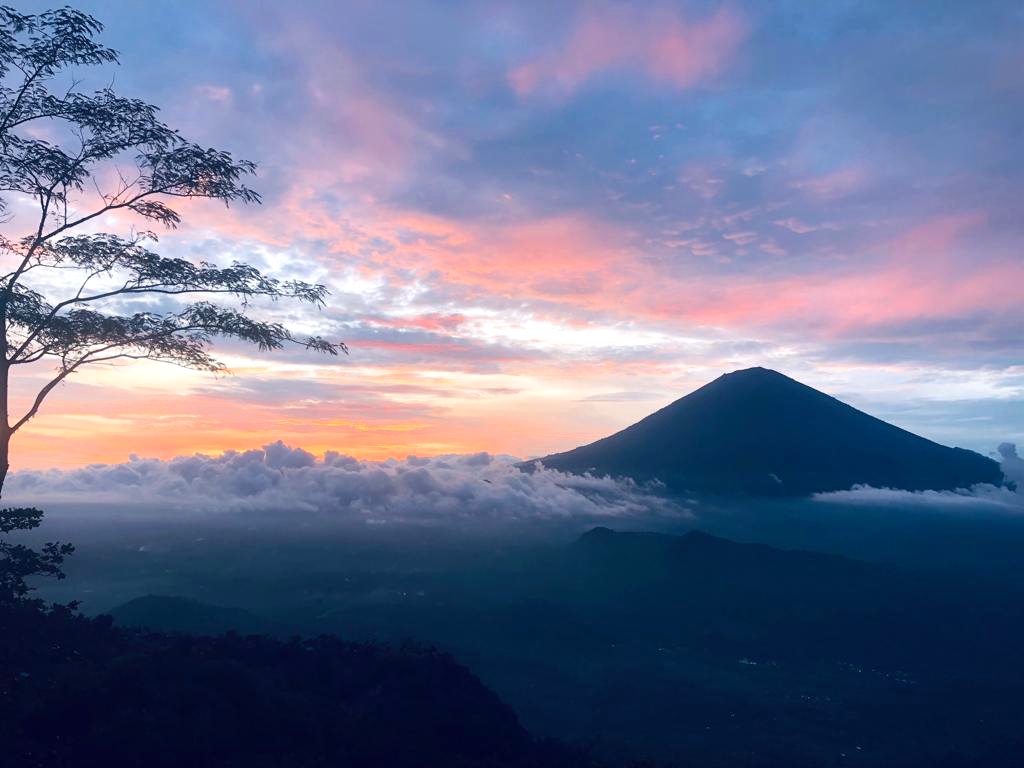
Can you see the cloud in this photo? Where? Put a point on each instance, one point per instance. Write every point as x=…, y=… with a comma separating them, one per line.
x=474, y=488
x=981, y=497
x=834, y=184
x=794, y=225
x=216, y=93
x=1013, y=464
x=668, y=49
x=987, y=496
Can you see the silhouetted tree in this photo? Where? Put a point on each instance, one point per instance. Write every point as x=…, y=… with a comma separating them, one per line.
x=66, y=151
x=18, y=562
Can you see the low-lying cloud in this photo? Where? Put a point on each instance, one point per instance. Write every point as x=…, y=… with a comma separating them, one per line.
x=991, y=497
x=457, y=488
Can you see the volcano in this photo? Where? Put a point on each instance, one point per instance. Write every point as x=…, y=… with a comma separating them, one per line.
x=758, y=432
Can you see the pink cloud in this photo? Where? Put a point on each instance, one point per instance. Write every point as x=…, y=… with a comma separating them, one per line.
x=431, y=321
x=572, y=257
x=927, y=271
x=573, y=267
x=666, y=47
x=936, y=235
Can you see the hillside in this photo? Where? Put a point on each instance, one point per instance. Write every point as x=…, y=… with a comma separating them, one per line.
x=75, y=691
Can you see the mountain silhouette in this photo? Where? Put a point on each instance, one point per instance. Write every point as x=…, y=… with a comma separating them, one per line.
x=627, y=560
x=758, y=432
x=790, y=604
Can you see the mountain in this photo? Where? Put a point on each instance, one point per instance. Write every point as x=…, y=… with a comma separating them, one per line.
x=759, y=432
x=701, y=562
x=698, y=589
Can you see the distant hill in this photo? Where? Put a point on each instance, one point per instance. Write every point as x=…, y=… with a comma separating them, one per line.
x=162, y=613
x=759, y=432
x=626, y=561
x=789, y=603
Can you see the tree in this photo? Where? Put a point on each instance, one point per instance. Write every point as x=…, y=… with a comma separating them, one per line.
x=59, y=143
x=18, y=562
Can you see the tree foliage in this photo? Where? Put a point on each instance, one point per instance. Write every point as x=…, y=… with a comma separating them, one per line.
x=71, y=156
x=19, y=562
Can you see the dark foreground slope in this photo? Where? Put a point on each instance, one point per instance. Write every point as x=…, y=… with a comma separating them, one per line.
x=758, y=432
x=81, y=692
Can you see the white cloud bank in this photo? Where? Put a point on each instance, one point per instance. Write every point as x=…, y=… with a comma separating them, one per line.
x=477, y=487
x=459, y=488
x=989, y=497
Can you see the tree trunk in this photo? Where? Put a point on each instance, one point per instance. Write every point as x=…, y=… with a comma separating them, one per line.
x=5, y=421
x=5, y=382
x=5, y=452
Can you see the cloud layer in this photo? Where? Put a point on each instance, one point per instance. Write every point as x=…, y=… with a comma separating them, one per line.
x=987, y=497
x=469, y=489
x=460, y=489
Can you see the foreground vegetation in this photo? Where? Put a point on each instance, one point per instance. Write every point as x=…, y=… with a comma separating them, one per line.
x=78, y=691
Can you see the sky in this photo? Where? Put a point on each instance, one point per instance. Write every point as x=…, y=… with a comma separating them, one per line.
x=541, y=221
